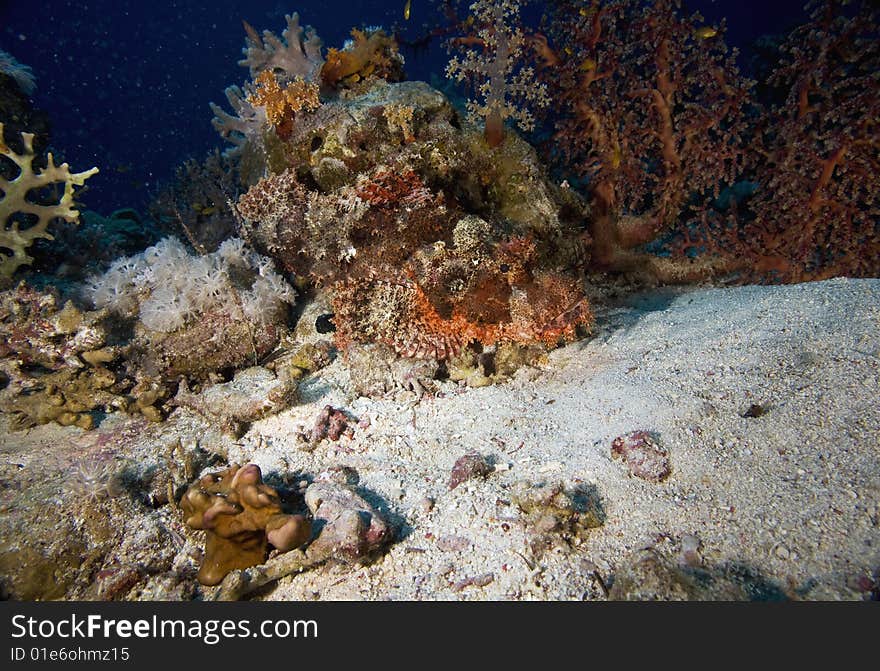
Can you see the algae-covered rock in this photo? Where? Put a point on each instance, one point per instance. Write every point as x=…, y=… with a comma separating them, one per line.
x=254, y=393
x=56, y=361
x=556, y=513
x=352, y=530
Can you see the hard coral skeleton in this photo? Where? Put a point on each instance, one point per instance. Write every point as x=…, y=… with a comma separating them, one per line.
x=23, y=220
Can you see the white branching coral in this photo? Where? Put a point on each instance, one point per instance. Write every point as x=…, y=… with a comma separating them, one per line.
x=294, y=57
x=17, y=206
x=297, y=54
x=504, y=86
x=166, y=286
x=247, y=124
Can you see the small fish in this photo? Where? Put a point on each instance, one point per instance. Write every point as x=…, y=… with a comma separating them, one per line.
x=204, y=210
x=705, y=32
x=616, y=157
x=252, y=34
x=588, y=65
x=568, y=51
x=406, y=9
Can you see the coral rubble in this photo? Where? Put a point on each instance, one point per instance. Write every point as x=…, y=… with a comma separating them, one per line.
x=643, y=455
x=352, y=530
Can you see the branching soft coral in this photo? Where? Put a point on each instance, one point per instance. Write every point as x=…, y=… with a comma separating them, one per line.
x=281, y=104
x=494, y=67
x=816, y=212
x=652, y=118
x=244, y=127
x=371, y=54
x=297, y=54
x=284, y=72
x=23, y=203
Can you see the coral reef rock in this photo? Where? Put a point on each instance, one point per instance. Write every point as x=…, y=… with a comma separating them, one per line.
x=331, y=423
x=467, y=467
x=351, y=530
x=429, y=241
x=554, y=512
x=254, y=393
x=55, y=362
x=643, y=455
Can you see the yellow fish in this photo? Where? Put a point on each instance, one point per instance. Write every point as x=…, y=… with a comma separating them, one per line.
x=705, y=32
x=616, y=157
x=587, y=65
x=406, y=9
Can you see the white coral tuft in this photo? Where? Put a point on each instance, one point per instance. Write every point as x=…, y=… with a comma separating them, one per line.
x=166, y=286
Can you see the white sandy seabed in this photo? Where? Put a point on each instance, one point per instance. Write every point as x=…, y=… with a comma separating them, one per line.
x=790, y=498
x=787, y=502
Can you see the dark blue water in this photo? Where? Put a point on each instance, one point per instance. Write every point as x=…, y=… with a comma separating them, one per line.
x=127, y=82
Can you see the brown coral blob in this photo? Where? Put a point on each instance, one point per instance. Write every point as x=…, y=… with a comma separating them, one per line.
x=241, y=515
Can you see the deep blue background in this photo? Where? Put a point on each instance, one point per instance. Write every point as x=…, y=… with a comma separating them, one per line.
x=127, y=82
